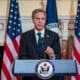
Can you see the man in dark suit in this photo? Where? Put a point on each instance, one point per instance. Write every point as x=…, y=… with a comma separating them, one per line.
x=29, y=41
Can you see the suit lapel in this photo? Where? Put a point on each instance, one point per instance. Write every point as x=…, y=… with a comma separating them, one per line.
x=46, y=38
x=33, y=39
x=46, y=42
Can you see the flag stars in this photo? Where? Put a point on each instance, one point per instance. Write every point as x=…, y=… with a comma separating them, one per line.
x=15, y=12
x=11, y=16
x=14, y=23
x=12, y=5
x=18, y=30
x=13, y=34
x=11, y=10
x=10, y=21
x=77, y=28
x=16, y=1
x=15, y=18
x=14, y=28
x=9, y=27
x=19, y=24
x=79, y=34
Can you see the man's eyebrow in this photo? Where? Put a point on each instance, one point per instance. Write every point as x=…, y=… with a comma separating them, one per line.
x=39, y=18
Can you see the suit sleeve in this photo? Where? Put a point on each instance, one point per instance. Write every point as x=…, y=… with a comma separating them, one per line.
x=23, y=47
x=56, y=47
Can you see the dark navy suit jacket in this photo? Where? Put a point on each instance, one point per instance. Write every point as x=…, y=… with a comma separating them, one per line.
x=28, y=45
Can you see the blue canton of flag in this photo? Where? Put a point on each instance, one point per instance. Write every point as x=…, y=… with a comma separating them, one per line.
x=52, y=18
x=14, y=23
x=77, y=31
x=11, y=47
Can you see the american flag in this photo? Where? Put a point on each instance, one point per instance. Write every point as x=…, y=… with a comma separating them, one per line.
x=76, y=45
x=11, y=47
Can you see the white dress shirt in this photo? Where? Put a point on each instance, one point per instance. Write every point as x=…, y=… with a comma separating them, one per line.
x=42, y=34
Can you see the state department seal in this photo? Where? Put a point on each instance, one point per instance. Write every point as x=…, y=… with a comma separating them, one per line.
x=45, y=69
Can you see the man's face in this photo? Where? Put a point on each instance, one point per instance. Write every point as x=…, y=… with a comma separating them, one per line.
x=39, y=21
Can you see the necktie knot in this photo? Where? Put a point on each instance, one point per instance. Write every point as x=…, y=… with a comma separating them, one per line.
x=39, y=34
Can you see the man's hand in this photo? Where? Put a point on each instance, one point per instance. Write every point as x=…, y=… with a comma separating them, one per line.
x=50, y=52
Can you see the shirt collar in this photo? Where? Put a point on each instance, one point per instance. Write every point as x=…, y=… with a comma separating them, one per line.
x=42, y=32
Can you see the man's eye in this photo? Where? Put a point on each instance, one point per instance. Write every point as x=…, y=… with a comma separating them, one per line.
x=37, y=18
x=40, y=18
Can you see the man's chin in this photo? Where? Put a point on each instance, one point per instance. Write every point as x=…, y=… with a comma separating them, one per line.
x=39, y=29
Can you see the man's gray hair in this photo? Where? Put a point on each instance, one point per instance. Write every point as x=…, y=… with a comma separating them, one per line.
x=36, y=11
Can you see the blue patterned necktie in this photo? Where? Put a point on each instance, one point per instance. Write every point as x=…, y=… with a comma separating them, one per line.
x=40, y=43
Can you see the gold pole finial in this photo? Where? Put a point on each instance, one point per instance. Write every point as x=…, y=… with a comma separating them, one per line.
x=42, y=4
x=71, y=12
